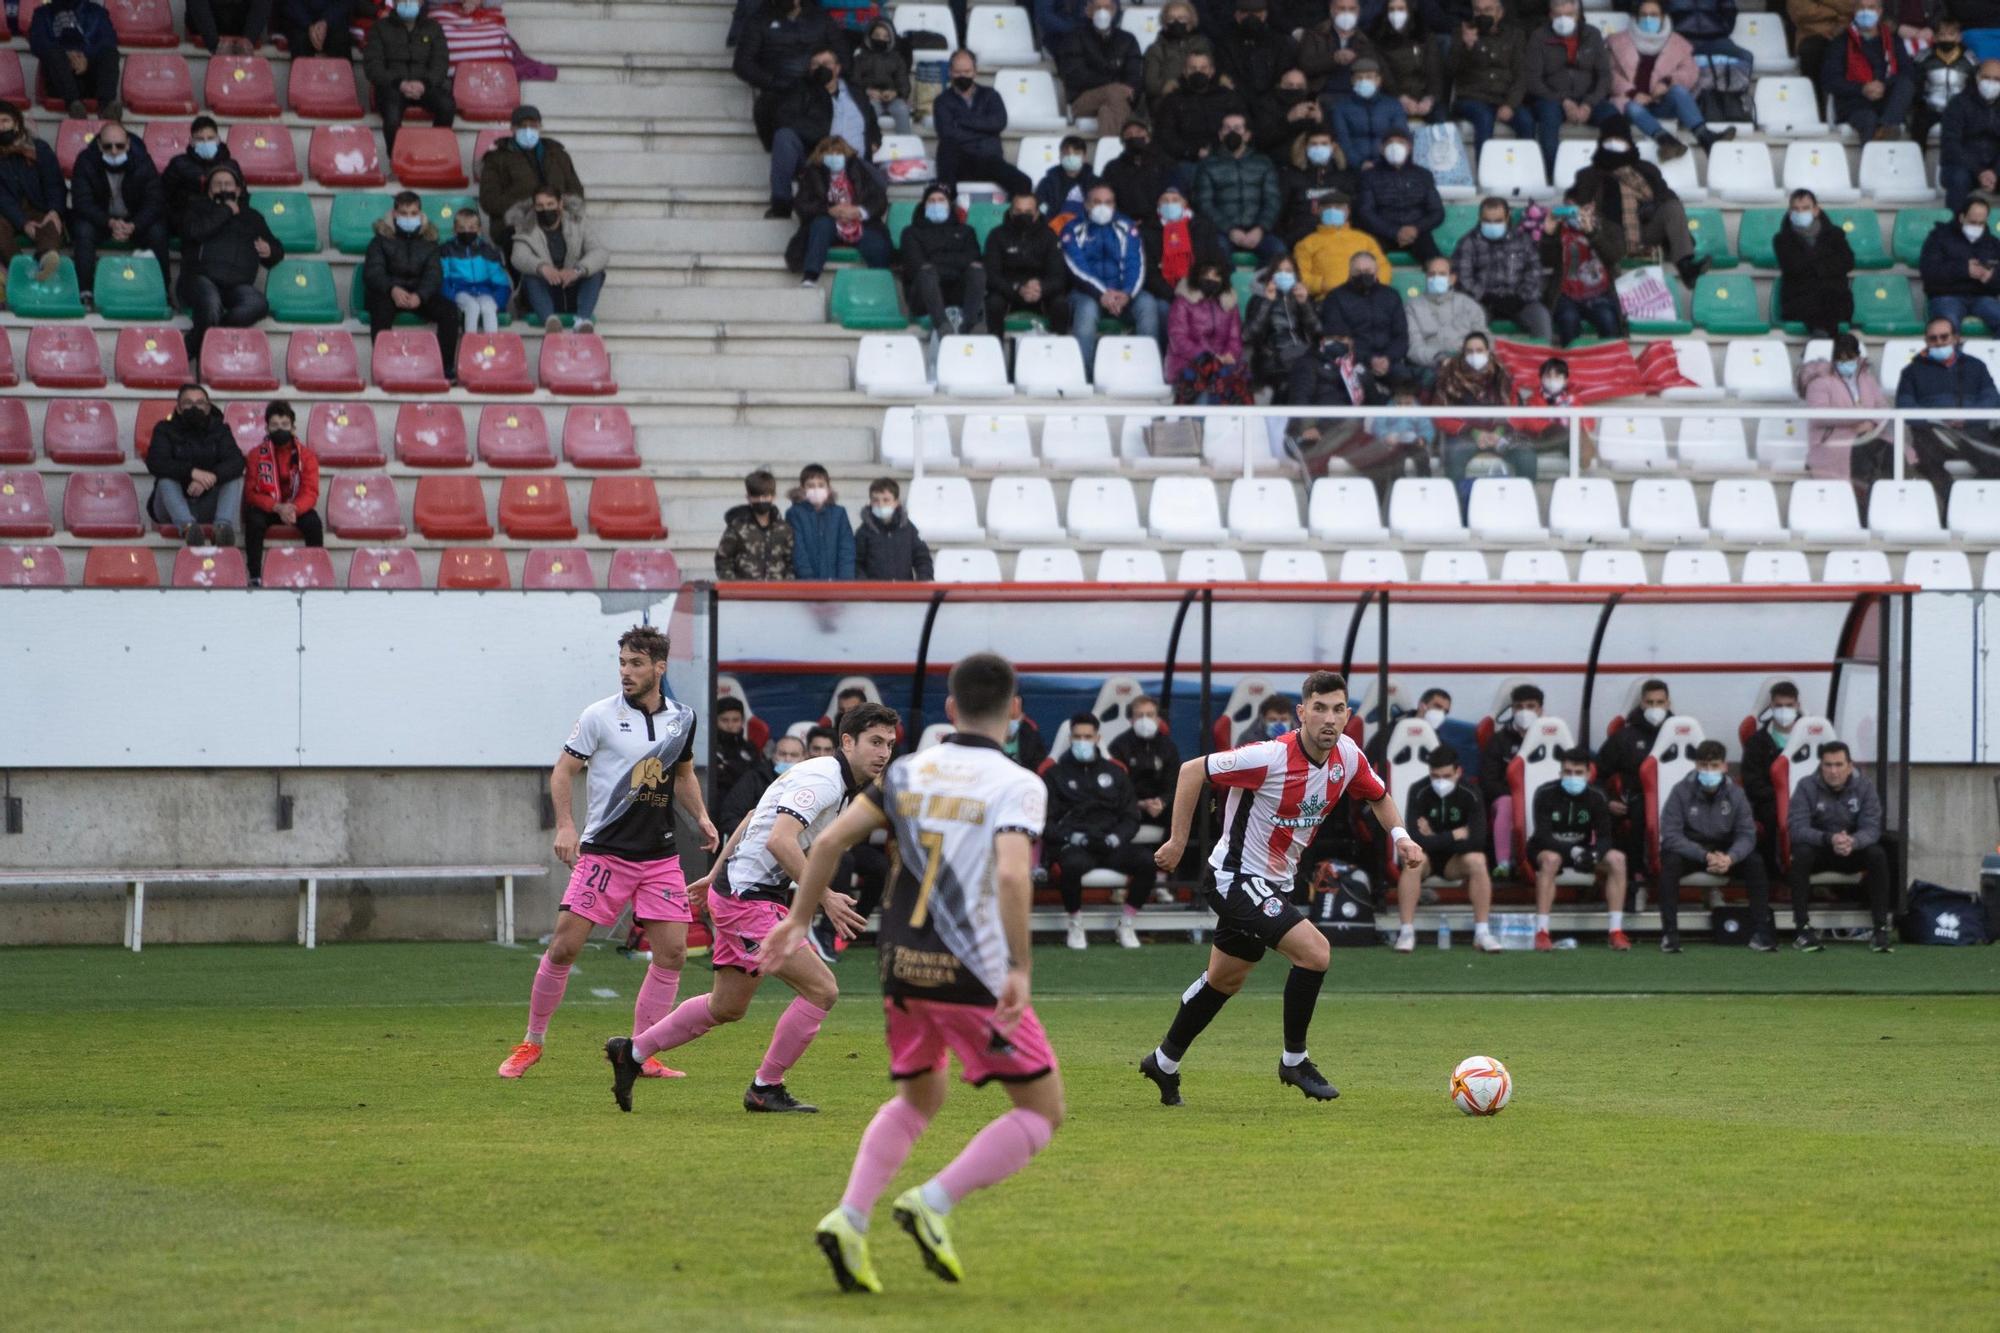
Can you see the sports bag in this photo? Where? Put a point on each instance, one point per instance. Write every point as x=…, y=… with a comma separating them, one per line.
x=1938, y=915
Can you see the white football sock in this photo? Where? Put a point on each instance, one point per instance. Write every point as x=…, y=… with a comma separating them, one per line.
x=1292, y=1059
x=1541, y=922
x=855, y=1217
x=1617, y=921
x=1166, y=1066
x=934, y=1195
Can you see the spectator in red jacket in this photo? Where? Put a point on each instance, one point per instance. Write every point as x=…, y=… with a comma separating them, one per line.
x=281, y=486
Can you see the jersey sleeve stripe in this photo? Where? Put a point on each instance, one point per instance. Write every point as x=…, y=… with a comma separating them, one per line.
x=576, y=754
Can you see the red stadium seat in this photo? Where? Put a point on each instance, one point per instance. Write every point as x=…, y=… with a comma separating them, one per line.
x=264, y=152
x=143, y=23
x=452, y=509
x=237, y=361
x=210, y=567
x=486, y=90
x=241, y=86
x=246, y=423
x=599, y=437
x=17, y=437
x=564, y=568
x=151, y=413
x=626, y=509
x=64, y=356
x=165, y=141
x=102, y=504
x=576, y=363
x=24, y=506
x=516, y=436
x=81, y=432
x=323, y=361
x=72, y=137
x=344, y=157
x=536, y=509
x=408, y=361
x=637, y=569
x=322, y=88
x=384, y=567
x=32, y=567
x=120, y=567
x=8, y=378
x=426, y=158
x=298, y=567
x=345, y=435
x=362, y=506
x=13, y=83
x=151, y=357
x=157, y=83
x=494, y=363
x=431, y=435
x=473, y=570
x=484, y=145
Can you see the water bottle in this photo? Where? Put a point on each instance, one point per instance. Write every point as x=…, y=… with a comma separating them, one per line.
x=1444, y=932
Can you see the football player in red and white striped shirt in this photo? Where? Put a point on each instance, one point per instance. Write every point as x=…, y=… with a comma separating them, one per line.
x=1278, y=792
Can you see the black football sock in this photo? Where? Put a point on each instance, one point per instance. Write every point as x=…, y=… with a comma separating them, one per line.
x=1200, y=1003
x=1301, y=995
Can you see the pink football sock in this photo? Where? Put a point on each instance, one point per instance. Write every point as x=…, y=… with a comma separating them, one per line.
x=797, y=1026
x=656, y=997
x=682, y=1026
x=996, y=1152
x=550, y=980
x=885, y=1146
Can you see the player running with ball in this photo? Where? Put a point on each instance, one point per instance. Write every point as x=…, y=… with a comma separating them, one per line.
x=1279, y=791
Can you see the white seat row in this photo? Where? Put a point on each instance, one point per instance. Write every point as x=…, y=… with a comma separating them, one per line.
x=1003, y=440
x=1105, y=511
x=893, y=366
x=1738, y=172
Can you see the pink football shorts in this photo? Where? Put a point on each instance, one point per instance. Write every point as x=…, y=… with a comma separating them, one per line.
x=923, y=1032
x=740, y=927
x=600, y=886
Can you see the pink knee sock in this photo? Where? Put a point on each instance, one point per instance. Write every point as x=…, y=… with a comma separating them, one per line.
x=797, y=1026
x=885, y=1146
x=682, y=1026
x=995, y=1153
x=550, y=979
x=656, y=997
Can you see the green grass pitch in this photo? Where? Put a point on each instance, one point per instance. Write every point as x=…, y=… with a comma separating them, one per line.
x=264, y=1138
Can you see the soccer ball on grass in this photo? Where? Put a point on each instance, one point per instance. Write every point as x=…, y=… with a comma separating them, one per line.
x=1481, y=1085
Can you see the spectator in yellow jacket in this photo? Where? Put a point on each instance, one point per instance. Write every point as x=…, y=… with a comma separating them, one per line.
x=1324, y=256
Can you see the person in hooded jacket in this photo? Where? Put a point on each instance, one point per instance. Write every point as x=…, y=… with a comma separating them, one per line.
x=1166, y=58
x=197, y=470
x=882, y=73
x=1025, y=270
x=887, y=546
x=1632, y=194
x=226, y=244
x=756, y=545
x=475, y=274
x=1314, y=172
x=116, y=196
x=402, y=274
x=840, y=199
x=943, y=265
x=822, y=534
x=1101, y=68
x=820, y=106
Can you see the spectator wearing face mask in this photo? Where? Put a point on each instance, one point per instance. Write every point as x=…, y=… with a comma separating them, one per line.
x=561, y=259
x=1065, y=187
x=281, y=487
x=731, y=753
x=1435, y=708
x=475, y=276
x=1236, y=191
x=225, y=245
x=1254, y=52
x=820, y=106
x=1397, y=201
x=1706, y=827
x=33, y=198
x=1969, y=142
x=1138, y=175
x=1333, y=376
x=1440, y=318
x=1568, y=77
x=1204, y=362
x=1331, y=53
x=970, y=119
x=1942, y=378
x=1633, y=195
x=408, y=64
x=887, y=546
x=773, y=53
x=1489, y=73
x=1024, y=743
x=1092, y=818
x=1412, y=61
x=1815, y=262
x=1960, y=266
x=76, y=49
x=1856, y=451
x=1483, y=446
x=1273, y=720
x=1367, y=312
x=753, y=780
x=1282, y=325
x=1868, y=72
x=1815, y=25
x=1025, y=270
x=1166, y=58
x=1396, y=446
x=197, y=470
x=840, y=199
x=517, y=166
x=1500, y=266
x=1761, y=751
x=1573, y=834
x=1653, y=78
x=1189, y=116
x=1447, y=818
x=1363, y=119
x=1326, y=258
x=1100, y=68
x=116, y=198
x=1945, y=73
x=943, y=267
x=1314, y=177
x=403, y=273
x=1151, y=760
x=1285, y=115
x=822, y=534
x=1835, y=822
x=1106, y=258
x=756, y=544
x=1619, y=761
x=1581, y=250
x=1523, y=707
x=1550, y=389
x=185, y=179
x=882, y=73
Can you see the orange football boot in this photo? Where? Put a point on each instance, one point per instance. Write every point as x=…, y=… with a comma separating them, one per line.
x=521, y=1059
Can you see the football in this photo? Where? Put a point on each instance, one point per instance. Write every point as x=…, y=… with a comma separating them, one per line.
x=1481, y=1085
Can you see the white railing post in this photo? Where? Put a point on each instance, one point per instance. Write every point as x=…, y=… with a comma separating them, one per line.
x=1575, y=446
x=1896, y=445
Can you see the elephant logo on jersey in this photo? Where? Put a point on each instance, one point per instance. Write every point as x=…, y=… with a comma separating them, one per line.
x=648, y=774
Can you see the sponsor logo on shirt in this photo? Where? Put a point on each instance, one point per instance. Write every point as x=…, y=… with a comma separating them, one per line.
x=1308, y=816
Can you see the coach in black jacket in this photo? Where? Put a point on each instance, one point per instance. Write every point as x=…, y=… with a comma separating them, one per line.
x=1025, y=270
x=1448, y=820
x=116, y=195
x=1573, y=833
x=1151, y=760
x=1093, y=816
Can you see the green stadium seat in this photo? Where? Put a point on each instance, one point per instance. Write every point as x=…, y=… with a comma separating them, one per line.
x=1883, y=306
x=1458, y=220
x=130, y=287
x=1674, y=327
x=357, y=301
x=290, y=216
x=55, y=299
x=901, y=213
x=352, y=224
x=1864, y=235
x=441, y=209
x=1912, y=226
x=1756, y=236
x=865, y=298
x=1243, y=280
x=301, y=291
x=1711, y=237
x=1727, y=303
x=984, y=216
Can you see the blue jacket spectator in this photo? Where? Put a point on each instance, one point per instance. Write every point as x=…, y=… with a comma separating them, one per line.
x=1392, y=196
x=1057, y=19
x=1058, y=192
x=970, y=118
x=1362, y=124
x=1960, y=381
x=822, y=533
x=1947, y=257
x=83, y=27
x=473, y=267
x=1109, y=258
x=1968, y=144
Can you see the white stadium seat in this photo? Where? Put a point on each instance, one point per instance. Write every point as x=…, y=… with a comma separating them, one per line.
x=1219, y=564
x=1022, y=509
x=1764, y=38
x=1049, y=367
x=1776, y=567
x=1897, y=353
x=899, y=438
x=1074, y=441
x=1534, y=567
x=1291, y=566
x=1425, y=510
x=1224, y=440
x=1713, y=444
x=1984, y=349
x=1504, y=509
x=1048, y=564
x=1904, y=513
x=926, y=18
x=1991, y=581
x=944, y=510
x=1108, y=149
x=1343, y=511
x=1781, y=445
x=1822, y=512
x=1572, y=156
x=1893, y=173
x=1696, y=364
x=1132, y=450
x=1030, y=95
x=1938, y=571
x=998, y=35
x=1741, y=173
x=1663, y=510
x=1745, y=510
x=1037, y=153
x=900, y=148
x=966, y=565
x=934, y=734
x=1142, y=21
x=1183, y=510
x=996, y=440
x=973, y=366
x=1684, y=567
x=1679, y=174
x=1264, y=511
x=891, y=365
x=1974, y=512
x=1633, y=444
x=1374, y=567
x=1585, y=509
x=1786, y=108
x=1819, y=165
x=1759, y=368
x=1856, y=567
x=1454, y=567
x=1611, y=567
x=1131, y=368
x=1129, y=565
x=1512, y=169
x=1103, y=510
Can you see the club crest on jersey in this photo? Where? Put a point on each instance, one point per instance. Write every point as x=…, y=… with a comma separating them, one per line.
x=805, y=798
x=1308, y=816
x=1273, y=906
x=1224, y=762
x=1104, y=779
x=1335, y=771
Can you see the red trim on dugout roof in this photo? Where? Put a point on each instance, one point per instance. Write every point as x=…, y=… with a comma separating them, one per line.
x=1435, y=668
x=1545, y=593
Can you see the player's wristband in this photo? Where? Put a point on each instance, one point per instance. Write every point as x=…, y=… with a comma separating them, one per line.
x=1399, y=834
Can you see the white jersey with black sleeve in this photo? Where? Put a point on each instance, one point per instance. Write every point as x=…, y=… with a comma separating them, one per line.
x=632, y=755
x=813, y=792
